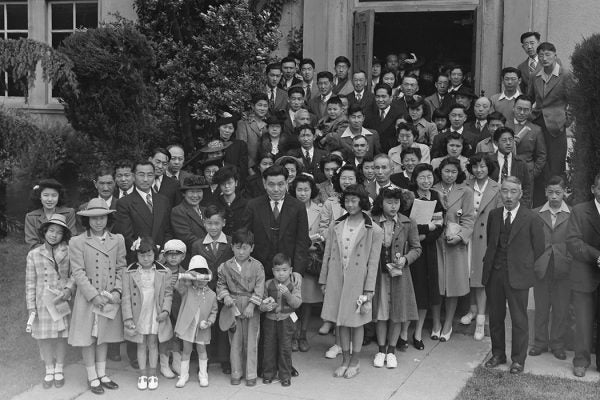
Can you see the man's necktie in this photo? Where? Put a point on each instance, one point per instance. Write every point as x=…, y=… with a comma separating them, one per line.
x=505, y=167
x=123, y=194
x=214, y=246
x=272, y=99
x=381, y=115
x=532, y=65
x=307, y=156
x=507, y=222
x=308, y=94
x=358, y=97
x=478, y=125
x=149, y=201
x=155, y=187
x=276, y=210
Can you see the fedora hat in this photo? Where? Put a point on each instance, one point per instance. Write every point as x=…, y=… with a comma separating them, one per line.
x=193, y=182
x=215, y=145
x=96, y=207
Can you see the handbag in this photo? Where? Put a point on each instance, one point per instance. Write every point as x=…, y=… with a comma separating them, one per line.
x=315, y=260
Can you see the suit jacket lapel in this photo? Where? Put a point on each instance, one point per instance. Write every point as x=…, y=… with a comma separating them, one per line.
x=488, y=194
x=266, y=212
x=455, y=195
x=594, y=216
x=140, y=206
x=193, y=214
x=517, y=224
x=552, y=83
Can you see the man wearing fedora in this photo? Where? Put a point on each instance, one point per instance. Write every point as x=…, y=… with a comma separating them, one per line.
x=162, y=184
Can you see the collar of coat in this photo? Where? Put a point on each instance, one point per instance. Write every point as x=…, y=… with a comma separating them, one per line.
x=135, y=266
x=368, y=221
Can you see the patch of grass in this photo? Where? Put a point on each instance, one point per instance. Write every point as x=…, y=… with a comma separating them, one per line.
x=501, y=385
x=20, y=363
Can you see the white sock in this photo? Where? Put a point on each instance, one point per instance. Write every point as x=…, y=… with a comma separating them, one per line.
x=101, y=368
x=91, y=373
x=49, y=373
x=58, y=369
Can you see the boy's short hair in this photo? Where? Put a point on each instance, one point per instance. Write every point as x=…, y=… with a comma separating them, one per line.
x=557, y=180
x=546, y=46
x=297, y=90
x=242, y=236
x=496, y=116
x=281, y=259
x=335, y=100
x=385, y=86
x=325, y=74
x=511, y=70
x=272, y=66
x=307, y=61
x=213, y=210
x=342, y=59
x=354, y=108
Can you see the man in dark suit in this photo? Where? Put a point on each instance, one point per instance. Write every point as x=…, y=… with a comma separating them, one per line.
x=105, y=187
x=530, y=66
x=288, y=78
x=124, y=178
x=277, y=96
x=482, y=109
x=279, y=223
x=296, y=103
x=309, y=85
x=583, y=242
x=441, y=99
x=457, y=116
x=508, y=165
x=515, y=239
x=176, y=162
x=162, y=184
x=308, y=153
x=318, y=104
x=360, y=95
x=383, y=119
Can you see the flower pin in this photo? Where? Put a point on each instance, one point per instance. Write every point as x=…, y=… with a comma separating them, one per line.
x=459, y=212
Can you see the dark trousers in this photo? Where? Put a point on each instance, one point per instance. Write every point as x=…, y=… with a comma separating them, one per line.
x=218, y=350
x=552, y=298
x=498, y=292
x=586, y=305
x=277, y=356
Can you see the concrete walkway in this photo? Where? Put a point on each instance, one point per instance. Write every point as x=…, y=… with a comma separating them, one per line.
x=437, y=373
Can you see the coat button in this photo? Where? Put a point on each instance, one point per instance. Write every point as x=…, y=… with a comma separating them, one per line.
x=480, y=236
x=134, y=304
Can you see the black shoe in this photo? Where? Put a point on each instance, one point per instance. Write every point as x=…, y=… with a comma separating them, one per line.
x=134, y=364
x=108, y=385
x=418, y=344
x=366, y=341
x=235, y=381
x=516, y=368
x=303, y=345
x=226, y=368
x=58, y=383
x=286, y=382
x=295, y=372
x=402, y=344
x=267, y=381
x=560, y=354
x=48, y=384
x=536, y=351
x=96, y=389
x=495, y=361
x=251, y=382
x=114, y=357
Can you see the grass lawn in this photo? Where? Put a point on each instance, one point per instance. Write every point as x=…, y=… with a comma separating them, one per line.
x=498, y=385
x=20, y=363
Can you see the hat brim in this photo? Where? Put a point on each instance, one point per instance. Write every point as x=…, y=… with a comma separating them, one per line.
x=207, y=149
x=45, y=224
x=95, y=213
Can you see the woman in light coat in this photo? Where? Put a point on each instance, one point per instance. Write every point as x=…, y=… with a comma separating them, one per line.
x=349, y=273
x=453, y=259
x=97, y=261
x=485, y=198
x=252, y=129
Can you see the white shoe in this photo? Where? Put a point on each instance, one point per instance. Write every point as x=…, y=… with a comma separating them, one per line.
x=391, y=360
x=203, y=372
x=379, y=360
x=467, y=318
x=165, y=370
x=480, y=328
x=176, y=364
x=185, y=375
x=333, y=351
x=143, y=383
x=153, y=382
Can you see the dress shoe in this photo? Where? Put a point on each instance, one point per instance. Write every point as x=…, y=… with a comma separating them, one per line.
x=235, y=381
x=294, y=345
x=536, y=351
x=267, y=381
x=107, y=383
x=435, y=335
x=579, y=371
x=402, y=344
x=560, y=354
x=467, y=318
x=251, y=382
x=516, y=368
x=295, y=372
x=418, y=344
x=48, y=383
x=495, y=361
x=134, y=364
x=303, y=345
x=59, y=380
x=98, y=389
x=446, y=337
x=226, y=368
x=286, y=382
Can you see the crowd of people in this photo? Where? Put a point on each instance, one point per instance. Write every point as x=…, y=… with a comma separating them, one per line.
x=367, y=200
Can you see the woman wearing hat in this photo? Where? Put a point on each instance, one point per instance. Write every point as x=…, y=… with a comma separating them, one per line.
x=48, y=276
x=187, y=218
x=97, y=260
x=276, y=142
x=236, y=151
x=252, y=129
x=48, y=198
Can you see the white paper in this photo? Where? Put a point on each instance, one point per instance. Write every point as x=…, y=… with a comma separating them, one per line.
x=422, y=211
x=294, y=317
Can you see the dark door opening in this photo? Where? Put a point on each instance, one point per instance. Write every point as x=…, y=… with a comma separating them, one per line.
x=439, y=38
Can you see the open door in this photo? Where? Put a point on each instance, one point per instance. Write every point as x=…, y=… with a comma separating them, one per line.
x=362, y=39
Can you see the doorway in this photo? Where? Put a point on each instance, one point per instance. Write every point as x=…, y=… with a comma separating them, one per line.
x=438, y=38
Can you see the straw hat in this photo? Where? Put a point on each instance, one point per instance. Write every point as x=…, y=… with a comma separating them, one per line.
x=96, y=207
x=56, y=219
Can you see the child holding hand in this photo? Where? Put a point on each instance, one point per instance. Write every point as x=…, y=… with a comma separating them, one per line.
x=147, y=296
x=282, y=297
x=198, y=312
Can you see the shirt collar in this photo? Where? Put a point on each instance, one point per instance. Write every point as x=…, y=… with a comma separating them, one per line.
x=383, y=218
x=221, y=239
x=348, y=132
x=563, y=207
x=361, y=93
x=458, y=130
x=513, y=212
x=597, y=205
x=144, y=195
x=513, y=97
x=555, y=71
x=480, y=189
x=326, y=97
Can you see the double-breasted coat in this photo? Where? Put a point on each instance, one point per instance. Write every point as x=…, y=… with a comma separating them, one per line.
x=478, y=244
x=405, y=241
x=133, y=299
x=453, y=260
x=95, y=266
x=345, y=285
x=42, y=272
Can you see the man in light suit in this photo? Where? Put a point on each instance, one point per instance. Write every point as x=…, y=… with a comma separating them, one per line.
x=515, y=241
x=279, y=223
x=318, y=104
x=383, y=119
x=583, y=242
x=441, y=99
x=531, y=146
x=277, y=97
x=530, y=66
x=548, y=88
x=360, y=95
